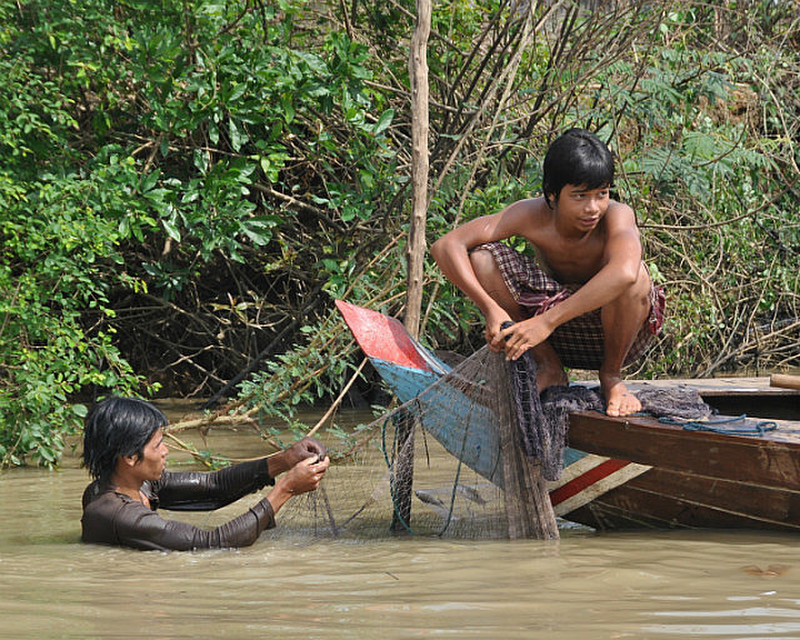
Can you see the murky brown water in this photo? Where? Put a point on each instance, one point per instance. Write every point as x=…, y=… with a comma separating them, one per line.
x=643, y=585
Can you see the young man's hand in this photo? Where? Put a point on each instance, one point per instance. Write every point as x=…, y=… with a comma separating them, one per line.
x=494, y=326
x=305, y=475
x=520, y=337
x=305, y=448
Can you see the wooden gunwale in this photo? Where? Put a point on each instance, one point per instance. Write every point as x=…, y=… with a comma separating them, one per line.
x=771, y=459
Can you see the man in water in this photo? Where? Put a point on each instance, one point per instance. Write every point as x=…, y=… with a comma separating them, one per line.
x=586, y=301
x=124, y=450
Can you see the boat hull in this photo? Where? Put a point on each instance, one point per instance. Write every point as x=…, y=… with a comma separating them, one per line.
x=695, y=479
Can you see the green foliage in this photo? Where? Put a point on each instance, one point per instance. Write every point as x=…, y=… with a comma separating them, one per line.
x=179, y=178
x=699, y=159
x=133, y=135
x=54, y=279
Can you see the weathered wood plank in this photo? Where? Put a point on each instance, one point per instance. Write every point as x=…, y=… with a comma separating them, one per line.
x=772, y=459
x=667, y=499
x=743, y=386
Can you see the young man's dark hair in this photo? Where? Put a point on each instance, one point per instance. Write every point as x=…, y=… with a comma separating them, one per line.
x=115, y=428
x=576, y=157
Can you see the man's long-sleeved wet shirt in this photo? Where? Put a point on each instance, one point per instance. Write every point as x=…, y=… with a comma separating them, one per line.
x=113, y=518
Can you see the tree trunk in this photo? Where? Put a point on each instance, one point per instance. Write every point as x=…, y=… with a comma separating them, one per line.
x=418, y=73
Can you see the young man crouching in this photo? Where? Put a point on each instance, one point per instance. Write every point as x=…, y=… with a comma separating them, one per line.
x=586, y=301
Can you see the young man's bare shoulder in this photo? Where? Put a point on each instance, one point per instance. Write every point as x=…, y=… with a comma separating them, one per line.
x=527, y=210
x=532, y=205
x=621, y=212
x=522, y=218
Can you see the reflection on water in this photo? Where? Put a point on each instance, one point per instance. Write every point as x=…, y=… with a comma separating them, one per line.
x=643, y=585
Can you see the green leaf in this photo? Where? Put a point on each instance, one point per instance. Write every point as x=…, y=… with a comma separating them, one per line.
x=384, y=121
x=150, y=181
x=238, y=136
x=171, y=229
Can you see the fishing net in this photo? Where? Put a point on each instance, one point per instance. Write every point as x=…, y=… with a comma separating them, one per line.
x=467, y=457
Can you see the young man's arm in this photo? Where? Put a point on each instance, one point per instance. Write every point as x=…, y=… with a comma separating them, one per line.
x=451, y=253
x=622, y=262
x=206, y=491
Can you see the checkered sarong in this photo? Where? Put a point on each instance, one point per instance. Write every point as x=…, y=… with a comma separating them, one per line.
x=579, y=342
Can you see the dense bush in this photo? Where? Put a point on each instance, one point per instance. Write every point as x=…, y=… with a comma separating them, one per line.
x=185, y=186
x=144, y=149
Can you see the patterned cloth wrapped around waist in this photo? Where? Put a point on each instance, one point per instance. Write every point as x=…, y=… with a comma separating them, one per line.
x=579, y=342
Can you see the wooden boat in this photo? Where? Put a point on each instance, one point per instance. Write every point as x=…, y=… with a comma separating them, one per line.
x=632, y=472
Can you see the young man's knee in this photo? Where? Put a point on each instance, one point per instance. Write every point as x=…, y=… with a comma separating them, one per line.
x=627, y=312
x=488, y=273
x=637, y=293
x=483, y=263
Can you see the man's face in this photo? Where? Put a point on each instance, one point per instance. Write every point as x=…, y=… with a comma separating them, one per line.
x=154, y=458
x=581, y=207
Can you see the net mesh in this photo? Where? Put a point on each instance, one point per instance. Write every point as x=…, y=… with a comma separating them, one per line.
x=445, y=463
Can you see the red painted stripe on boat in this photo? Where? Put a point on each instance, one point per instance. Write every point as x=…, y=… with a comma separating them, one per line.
x=382, y=337
x=585, y=480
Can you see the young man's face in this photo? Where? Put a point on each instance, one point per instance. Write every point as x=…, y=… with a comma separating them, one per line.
x=154, y=458
x=582, y=208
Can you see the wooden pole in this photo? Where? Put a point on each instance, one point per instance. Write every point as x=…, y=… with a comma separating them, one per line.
x=784, y=381
x=418, y=74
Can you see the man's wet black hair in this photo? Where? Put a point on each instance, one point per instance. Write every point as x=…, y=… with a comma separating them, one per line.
x=118, y=427
x=576, y=157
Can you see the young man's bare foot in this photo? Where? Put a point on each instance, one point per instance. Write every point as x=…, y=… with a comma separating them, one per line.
x=619, y=401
